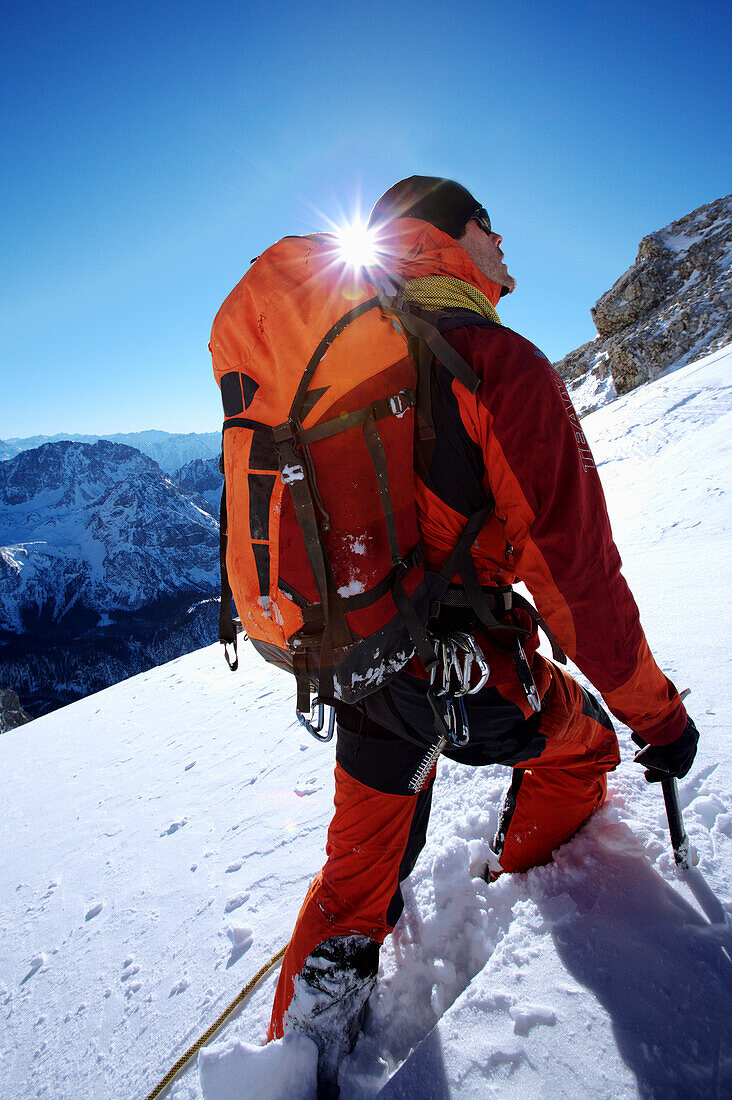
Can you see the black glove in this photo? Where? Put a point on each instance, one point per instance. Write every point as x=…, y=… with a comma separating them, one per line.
x=668, y=761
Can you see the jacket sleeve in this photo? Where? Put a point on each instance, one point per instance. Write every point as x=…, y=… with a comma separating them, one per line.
x=548, y=490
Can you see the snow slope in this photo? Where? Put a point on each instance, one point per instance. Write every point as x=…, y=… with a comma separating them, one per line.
x=158, y=838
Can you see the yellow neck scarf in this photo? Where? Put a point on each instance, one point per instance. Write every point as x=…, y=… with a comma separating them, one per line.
x=445, y=292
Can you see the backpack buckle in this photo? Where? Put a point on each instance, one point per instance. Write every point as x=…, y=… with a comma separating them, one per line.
x=284, y=433
x=400, y=402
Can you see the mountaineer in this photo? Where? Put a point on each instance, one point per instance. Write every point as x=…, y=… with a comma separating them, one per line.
x=512, y=457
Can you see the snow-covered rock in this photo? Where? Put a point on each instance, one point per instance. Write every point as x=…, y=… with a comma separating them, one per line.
x=99, y=528
x=674, y=304
x=12, y=714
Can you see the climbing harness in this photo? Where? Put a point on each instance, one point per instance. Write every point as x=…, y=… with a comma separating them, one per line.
x=239, y=1001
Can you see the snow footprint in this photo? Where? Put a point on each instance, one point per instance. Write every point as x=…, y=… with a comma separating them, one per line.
x=304, y=789
x=129, y=971
x=235, y=901
x=527, y=1016
x=35, y=965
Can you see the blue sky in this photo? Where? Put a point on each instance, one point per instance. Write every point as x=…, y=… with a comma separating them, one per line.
x=149, y=150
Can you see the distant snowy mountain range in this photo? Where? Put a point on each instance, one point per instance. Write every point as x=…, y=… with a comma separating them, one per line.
x=107, y=567
x=671, y=306
x=169, y=450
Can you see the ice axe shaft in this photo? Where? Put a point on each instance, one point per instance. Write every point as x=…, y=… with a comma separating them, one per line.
x=679, y=839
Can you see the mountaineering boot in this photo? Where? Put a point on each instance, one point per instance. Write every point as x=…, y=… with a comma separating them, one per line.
x=329, y=1001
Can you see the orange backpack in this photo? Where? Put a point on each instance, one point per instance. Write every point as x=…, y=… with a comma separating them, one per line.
x=317, y=365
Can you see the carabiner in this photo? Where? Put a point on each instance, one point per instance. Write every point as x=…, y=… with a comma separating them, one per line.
x=456, y=722
x=477, y=658
x=466, y=644
x=526, y=678
x=314, y=727
x=463, y=736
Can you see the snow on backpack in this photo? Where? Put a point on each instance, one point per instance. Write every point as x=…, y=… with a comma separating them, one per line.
x=317, y=366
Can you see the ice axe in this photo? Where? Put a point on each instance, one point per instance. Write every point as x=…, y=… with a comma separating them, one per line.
x=679, y=839
x=686, y=858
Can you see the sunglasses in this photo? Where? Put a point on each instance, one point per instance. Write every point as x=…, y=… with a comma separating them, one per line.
x=482, y=217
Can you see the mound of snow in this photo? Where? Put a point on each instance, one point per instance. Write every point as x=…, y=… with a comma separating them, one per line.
x=281, y=1070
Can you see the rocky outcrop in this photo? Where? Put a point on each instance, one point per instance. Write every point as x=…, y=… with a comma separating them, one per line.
x=202, y=477
x=11, y=712
x=673, y=305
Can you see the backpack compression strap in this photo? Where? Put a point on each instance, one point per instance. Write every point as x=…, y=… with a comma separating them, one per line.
x=227, y=630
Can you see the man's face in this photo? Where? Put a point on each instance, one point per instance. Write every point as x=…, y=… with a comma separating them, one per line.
x=484, y=250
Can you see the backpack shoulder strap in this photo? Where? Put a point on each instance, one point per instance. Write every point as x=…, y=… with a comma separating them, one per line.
x=449, y=319
x=390, y=296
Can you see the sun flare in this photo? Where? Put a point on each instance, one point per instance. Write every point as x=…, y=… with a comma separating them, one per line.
x=357, y=244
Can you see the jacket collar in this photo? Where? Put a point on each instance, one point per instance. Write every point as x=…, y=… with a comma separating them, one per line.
x=413, y=248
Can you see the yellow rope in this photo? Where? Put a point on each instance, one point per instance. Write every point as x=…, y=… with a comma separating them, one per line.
x=217, y=1024
x=445, y=292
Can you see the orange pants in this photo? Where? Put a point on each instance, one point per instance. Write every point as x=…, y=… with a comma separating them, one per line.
x=560, y=759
